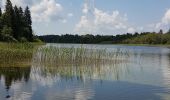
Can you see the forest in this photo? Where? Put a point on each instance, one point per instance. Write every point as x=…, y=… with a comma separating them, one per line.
x=137, y=38
x=15, y=24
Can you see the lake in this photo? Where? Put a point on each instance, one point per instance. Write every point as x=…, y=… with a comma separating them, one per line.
x=99, y=72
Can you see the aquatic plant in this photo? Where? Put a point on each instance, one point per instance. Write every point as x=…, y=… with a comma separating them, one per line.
x=14, y=54
x=64, y=56
x=80, y=62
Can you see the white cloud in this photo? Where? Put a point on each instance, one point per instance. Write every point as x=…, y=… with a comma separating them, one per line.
x=114, y=20
x=131, y=30
x=84, y=26
x=102, y=22
x=46, y=10
x=166, y=18
x=85, y=9
x=22, y=3
x=163, y=24
x=41, y=10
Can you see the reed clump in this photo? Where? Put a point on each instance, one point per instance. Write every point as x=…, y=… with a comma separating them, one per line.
x=64, y=56
x=15, y=53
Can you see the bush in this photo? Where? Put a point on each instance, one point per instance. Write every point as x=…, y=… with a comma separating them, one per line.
x=23, y=39
x=6, y=31
x=37, y=40
x=7, y=38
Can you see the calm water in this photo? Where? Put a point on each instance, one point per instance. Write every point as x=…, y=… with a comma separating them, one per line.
x=143, y=73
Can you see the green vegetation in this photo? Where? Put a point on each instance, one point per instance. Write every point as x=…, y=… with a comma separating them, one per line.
x=14, y=74
x=14, y=54
x=16, y=24
x=142, y=38
x=64, y=56
x=151, y=38
x=80, y=62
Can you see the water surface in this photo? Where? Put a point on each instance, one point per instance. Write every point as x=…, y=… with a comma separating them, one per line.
x=140, y=73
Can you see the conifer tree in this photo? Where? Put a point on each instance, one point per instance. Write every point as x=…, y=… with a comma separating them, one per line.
x=8, y=18
x=0, y=12
x=9, y=14
x=15, y=24
x=0, y=20
x=28, y=24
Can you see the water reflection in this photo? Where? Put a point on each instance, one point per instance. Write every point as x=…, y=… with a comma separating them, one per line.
x=142, y=75
x=12, y=75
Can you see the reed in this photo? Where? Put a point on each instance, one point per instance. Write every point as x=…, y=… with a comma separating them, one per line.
x=64, y=56
x=15, y=54
x=82, y=62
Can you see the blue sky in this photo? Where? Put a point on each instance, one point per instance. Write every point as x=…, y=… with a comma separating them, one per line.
x=108, y=17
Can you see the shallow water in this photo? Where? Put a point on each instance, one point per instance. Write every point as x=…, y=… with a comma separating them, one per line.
x=141, y=73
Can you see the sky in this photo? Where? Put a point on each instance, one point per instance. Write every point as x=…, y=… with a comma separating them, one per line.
x=104, y=17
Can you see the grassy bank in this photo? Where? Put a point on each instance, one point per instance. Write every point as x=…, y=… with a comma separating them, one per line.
x=16, y=54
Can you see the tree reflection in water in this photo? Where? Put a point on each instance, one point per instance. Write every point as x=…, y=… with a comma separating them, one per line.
x=14, y=74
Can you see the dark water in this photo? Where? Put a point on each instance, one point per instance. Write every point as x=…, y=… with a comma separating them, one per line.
x=143, y=74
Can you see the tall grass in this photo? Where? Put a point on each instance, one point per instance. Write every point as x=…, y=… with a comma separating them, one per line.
x=63, y=56
x=82, y=62
x=15, y=53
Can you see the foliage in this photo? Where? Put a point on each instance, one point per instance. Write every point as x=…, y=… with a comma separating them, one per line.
x=14, y=54
x=142, y=38
x=53, y=55
x=151, y=38
x=15, y=23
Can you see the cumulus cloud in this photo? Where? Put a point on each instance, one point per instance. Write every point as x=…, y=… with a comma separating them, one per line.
x=164, y=23
x=85, y=26
x=22, y=3
x=85, y=9
x=42, y=10
x=102, y=22
x=97, y=21
x=113, y=21
x=46, y=10
x=131, y=30
x=166, y=18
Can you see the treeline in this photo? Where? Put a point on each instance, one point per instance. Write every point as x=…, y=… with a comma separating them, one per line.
x=15, y=24
x=137, y=38
x=151, y=38
x=88, y=39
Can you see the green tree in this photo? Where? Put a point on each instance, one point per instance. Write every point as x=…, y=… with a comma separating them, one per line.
x=8, y=17
x=17, y=22
x=6, y=35
x=0, y=21
x=168, y=31
x=9, y=14
x=0, y=12
x=7, y=31
x=28, y=24
x=161, y=31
